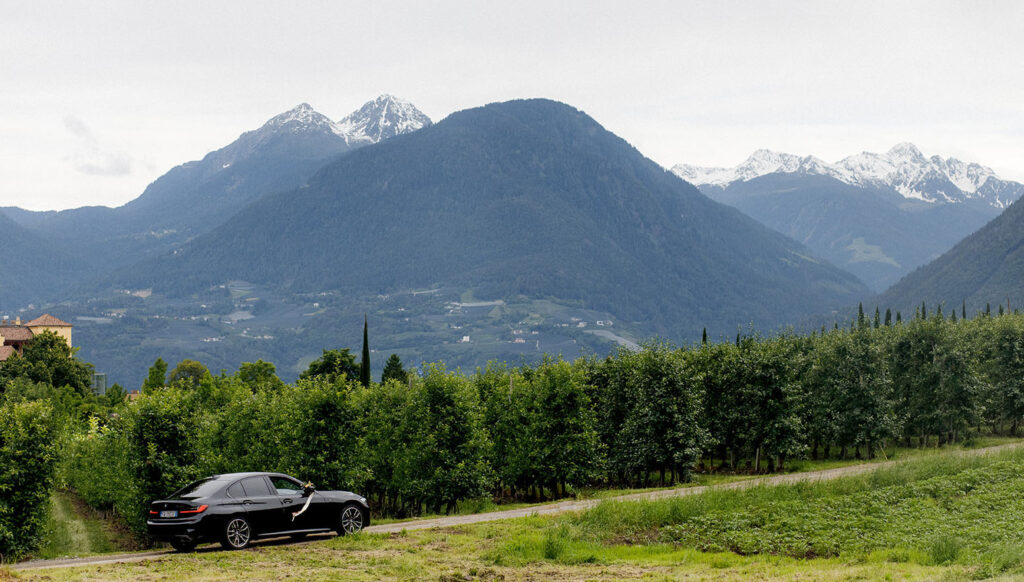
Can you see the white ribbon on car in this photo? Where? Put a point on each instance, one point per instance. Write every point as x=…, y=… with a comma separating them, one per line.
x=304, y=507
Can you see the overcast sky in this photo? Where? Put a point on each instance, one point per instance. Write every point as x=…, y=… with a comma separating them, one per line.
x=97, y=99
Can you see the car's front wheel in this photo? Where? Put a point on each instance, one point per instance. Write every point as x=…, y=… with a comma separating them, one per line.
x=353, y=519
x=237, y=534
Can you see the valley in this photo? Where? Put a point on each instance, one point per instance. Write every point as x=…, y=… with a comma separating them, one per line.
x=240, y=321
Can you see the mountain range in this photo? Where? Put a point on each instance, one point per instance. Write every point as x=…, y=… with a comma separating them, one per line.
x=903, y=169
x=521, y=198
x=878, y=216
x=197, y=196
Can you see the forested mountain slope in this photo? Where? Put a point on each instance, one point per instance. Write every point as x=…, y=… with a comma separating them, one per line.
x=987, y=267
x=31, y=268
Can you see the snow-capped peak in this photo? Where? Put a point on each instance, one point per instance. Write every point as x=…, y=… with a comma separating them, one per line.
x=905, y=151
x=299, y=118
x=903, y=169
x=382, y=118
x=377, y=120
x=760, y=163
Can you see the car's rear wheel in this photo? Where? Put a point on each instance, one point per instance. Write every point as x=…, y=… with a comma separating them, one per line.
x=353, y=519
x=237, y=534
x=183, y=546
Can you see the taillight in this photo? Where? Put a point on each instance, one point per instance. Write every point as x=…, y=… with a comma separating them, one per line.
x=199, y=509
x=154, y=512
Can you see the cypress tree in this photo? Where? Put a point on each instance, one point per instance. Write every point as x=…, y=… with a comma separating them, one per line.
x=988, y=309
x=878, y=318
x=899, y=318
x=704, y=337
x=888, y=317
x=952, y=316
x=938, y=312
x=924, y=311
x=364, y=366
x=860, y=315
x=737, y=339
x=963, y=310
x=1000, y=309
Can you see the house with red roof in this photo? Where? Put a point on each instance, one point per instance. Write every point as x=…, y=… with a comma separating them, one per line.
x=15, y=334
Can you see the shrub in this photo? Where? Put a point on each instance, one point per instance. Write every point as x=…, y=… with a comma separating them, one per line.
x=28, y=455
x=944, y=549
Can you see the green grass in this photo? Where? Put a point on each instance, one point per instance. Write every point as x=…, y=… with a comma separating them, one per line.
x=891, y=453
x=946, y=516
x=73, y=533
x=937, y=510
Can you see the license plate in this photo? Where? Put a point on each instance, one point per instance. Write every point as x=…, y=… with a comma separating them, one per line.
x=168, y=514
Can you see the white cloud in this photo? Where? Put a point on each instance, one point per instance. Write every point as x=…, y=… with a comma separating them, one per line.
x=92, y=159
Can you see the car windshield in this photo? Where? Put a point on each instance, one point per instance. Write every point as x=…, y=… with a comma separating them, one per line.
x=202, y=488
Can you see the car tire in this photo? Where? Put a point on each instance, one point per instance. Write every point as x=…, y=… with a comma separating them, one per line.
x=237, y=534
x=182, y=546
x=353, y=519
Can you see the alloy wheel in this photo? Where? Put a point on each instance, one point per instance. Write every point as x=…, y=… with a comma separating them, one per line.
x=238, y=533
x=351, y=519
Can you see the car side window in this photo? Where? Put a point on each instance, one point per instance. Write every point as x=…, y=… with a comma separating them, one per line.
x=256, y=487
x=236, y=490
x=286, y=486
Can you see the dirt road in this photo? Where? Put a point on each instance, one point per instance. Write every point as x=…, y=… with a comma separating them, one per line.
x=548, y=509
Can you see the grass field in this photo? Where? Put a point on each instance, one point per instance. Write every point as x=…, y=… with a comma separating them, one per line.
x=74, y=531
x=938, y=517
x=472, y=506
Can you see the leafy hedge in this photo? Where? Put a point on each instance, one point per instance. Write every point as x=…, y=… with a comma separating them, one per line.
x=28, y=456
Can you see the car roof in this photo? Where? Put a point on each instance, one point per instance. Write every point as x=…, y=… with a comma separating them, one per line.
x=230, y=476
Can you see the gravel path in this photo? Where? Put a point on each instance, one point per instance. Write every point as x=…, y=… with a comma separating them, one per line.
x=547, y=509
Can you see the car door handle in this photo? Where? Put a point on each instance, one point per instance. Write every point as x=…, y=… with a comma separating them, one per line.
x=286, y=500
x=247, y=502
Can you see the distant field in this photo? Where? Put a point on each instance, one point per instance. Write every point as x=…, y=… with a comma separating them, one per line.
x=941, y=517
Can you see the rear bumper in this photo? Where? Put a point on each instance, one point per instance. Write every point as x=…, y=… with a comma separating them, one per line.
x=189, y=530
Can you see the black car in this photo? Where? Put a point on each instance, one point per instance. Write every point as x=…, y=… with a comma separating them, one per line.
x=237, y=508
